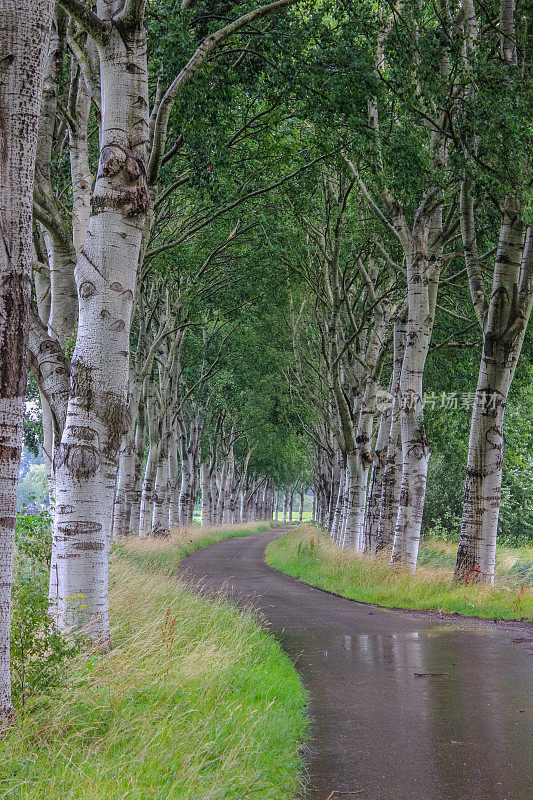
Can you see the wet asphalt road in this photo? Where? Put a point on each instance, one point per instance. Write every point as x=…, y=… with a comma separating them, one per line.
x=382, y=727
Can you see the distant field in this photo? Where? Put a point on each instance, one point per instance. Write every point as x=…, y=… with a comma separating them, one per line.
x=167, y=553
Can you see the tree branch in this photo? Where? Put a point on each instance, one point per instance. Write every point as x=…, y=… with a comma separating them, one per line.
x=87, y=19
x=208, y=45
x=50, y=369
x=370, y=200
x=132, y=13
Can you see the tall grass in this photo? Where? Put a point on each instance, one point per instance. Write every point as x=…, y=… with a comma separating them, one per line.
x=309, y=555
x=194, y=701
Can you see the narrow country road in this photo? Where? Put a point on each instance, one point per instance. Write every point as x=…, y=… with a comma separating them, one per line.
x=403, y=707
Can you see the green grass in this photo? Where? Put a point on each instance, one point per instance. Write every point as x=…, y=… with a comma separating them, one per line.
x=194, y=701
x=308, y=554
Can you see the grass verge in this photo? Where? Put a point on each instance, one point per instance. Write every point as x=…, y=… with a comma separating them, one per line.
x=194, y=701
x=308, y=554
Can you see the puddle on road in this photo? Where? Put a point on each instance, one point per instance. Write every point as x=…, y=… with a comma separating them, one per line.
x=444, y=712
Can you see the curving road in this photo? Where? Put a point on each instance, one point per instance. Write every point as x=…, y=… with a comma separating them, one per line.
x=403, y=706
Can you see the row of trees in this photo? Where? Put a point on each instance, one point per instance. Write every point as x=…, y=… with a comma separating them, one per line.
x=104, y=146
x=256, y=231
x=394, y=233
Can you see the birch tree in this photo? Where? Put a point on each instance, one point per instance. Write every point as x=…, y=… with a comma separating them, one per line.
x=503, y=314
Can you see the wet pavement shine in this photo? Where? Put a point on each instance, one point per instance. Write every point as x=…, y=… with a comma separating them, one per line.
x=403, y=706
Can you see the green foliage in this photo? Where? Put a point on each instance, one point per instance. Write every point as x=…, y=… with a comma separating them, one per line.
x=32, y=488
x=39, y=653
x=32, y=421
x=33, y=545
x=448, y=431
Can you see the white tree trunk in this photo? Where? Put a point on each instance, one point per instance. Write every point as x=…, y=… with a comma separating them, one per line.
x=338, y=525
x=392, y=476
x=227, y=518
x=214, y=498
x=379, y=462
x=422, y=277
x=506, y=322
x=147, y=495
x=123, y=499
x=187, y=493
x=285, y=505
x=136, y=489
x=160, y=505
x=205, y=489
x=147, y=491
x=105, y=279
x=357, y=480
x=173, y=480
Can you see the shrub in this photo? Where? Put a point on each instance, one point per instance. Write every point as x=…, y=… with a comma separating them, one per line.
x=33, y=544
x=38, y=650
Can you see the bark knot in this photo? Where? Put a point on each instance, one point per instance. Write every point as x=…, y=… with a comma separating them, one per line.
x=127, y=188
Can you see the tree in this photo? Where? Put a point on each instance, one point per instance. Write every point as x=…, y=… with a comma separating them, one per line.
x=503, y=314
x=25, y=33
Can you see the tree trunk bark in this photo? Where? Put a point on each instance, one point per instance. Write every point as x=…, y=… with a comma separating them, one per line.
x=228, y=486
x=357, y=478
x=147, y=491
x=214, y=497
x=336, y=523
x=507, y=318
x=136, y=489
x=392, y=476
x=173, y=484
x=422, y=279
x=25, y=27
x=187, y=493
x=160, y=506
x=379, y=461
x=122, y=511
x=291, y=503
x=205, y=488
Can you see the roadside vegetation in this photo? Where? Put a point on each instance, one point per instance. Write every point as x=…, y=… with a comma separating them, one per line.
x=308, y=554
x=194, y=700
